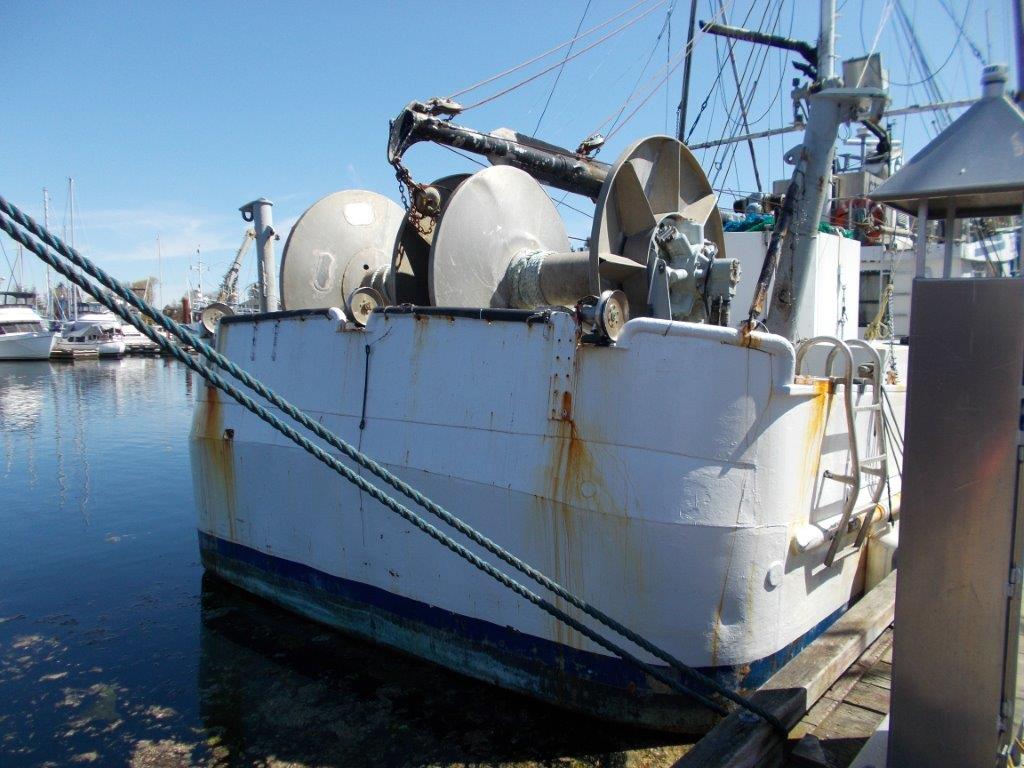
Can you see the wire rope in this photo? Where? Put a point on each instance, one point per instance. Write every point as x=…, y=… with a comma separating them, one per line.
x=572, y=57
x=540, y=56
x=561, y=69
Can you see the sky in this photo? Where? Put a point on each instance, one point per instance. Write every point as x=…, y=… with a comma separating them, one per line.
x=169, y=116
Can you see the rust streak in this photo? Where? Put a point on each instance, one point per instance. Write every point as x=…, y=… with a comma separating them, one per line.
x=220, y=459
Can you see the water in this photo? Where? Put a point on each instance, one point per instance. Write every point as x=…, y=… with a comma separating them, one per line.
x=116, y=650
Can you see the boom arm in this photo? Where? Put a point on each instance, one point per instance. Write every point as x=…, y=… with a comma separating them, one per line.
x=228, y=291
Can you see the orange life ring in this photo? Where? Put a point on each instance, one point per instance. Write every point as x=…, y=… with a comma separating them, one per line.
x=868, y=221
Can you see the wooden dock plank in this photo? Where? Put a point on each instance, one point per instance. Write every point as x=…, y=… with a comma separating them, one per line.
x=845, y=731
x=869, y=696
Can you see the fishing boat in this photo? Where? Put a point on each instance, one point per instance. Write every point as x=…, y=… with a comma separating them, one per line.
x=712, y=483
x=22, y=333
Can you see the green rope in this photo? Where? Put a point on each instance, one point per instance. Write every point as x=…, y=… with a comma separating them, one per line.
x=186, y=335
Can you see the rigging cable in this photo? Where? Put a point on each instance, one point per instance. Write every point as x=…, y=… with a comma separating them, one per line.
x=562, y=63
x=643, y=70
x=730, y=151
x=681, y=55
x=548, y=52
x=561, y=69
x=960, y=25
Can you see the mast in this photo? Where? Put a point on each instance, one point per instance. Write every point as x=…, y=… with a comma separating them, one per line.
x=71, y=208
x=1018, y=22
x=827, y=41
x=685, y=98
x=49, y=285
x=793, y=243
x=829, y=106
x=160, y=272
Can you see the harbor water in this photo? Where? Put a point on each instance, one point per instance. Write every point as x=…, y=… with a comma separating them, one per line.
x=116, y=650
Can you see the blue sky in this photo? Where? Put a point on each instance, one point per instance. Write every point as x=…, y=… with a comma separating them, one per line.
x=171, y=115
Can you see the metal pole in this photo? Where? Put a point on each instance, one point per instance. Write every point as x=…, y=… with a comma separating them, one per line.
x=799, y=127
x=947, y=253
x=160, y=271
x=922, y=237
x=259, y=213
x=681, y=129
x=815, y=169
x=71, y=207
x=49, y=284
x=827, y=41
x=1018, y=23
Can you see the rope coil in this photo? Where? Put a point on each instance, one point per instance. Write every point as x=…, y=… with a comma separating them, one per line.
x=12, y=216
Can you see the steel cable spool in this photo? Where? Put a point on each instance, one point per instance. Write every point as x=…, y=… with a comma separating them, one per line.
x=410, y=260
x=495, y=216
x=342, y=242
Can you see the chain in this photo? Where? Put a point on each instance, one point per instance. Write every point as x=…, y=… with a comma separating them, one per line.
x=414, y=216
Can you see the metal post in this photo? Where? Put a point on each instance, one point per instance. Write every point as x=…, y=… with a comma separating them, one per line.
x=922, y=237
x=1018, y=23
x=947, y=254
x=797, y=261
x=683, y=101
x=259, y=213
x=827, y=41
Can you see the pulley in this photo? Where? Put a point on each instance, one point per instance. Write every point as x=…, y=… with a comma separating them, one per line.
x=211, y=315
x=342, y=242
x=657, y=210
x=362, y=303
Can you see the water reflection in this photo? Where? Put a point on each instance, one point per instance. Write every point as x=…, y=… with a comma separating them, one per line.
x=116, y=650
x=273, y=687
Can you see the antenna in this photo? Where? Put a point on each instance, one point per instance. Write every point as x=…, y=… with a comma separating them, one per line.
x=199, y=268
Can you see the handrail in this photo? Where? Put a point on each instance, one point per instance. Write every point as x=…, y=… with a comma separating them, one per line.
x=854, y=478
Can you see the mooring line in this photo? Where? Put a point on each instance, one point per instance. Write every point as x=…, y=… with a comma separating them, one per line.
x=188, y=337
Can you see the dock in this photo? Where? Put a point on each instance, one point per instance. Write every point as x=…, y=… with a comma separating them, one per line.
x=838, y=726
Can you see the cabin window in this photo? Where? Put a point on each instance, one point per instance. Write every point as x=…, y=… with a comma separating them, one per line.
x=20, y=327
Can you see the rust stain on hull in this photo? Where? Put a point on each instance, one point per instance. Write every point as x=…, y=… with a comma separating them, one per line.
x=219, y=460
x=570, y=482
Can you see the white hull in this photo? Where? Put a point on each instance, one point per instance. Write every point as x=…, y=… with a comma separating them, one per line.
x=90, y=349
x=663, y=480
x=26, y=346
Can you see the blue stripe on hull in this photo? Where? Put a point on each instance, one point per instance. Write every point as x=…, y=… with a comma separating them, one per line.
x=600, y=685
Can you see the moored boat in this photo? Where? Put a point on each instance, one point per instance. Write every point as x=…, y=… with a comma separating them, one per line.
x=22, y=333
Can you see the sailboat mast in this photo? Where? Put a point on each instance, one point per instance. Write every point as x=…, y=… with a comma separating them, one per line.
x=49, y=284
x=160, y=272
x=71, y=239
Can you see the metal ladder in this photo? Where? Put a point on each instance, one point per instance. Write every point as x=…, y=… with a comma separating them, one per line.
x=857, y=464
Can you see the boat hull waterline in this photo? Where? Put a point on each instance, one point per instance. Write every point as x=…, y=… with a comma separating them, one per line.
x=662, y=480
x=27, y=346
